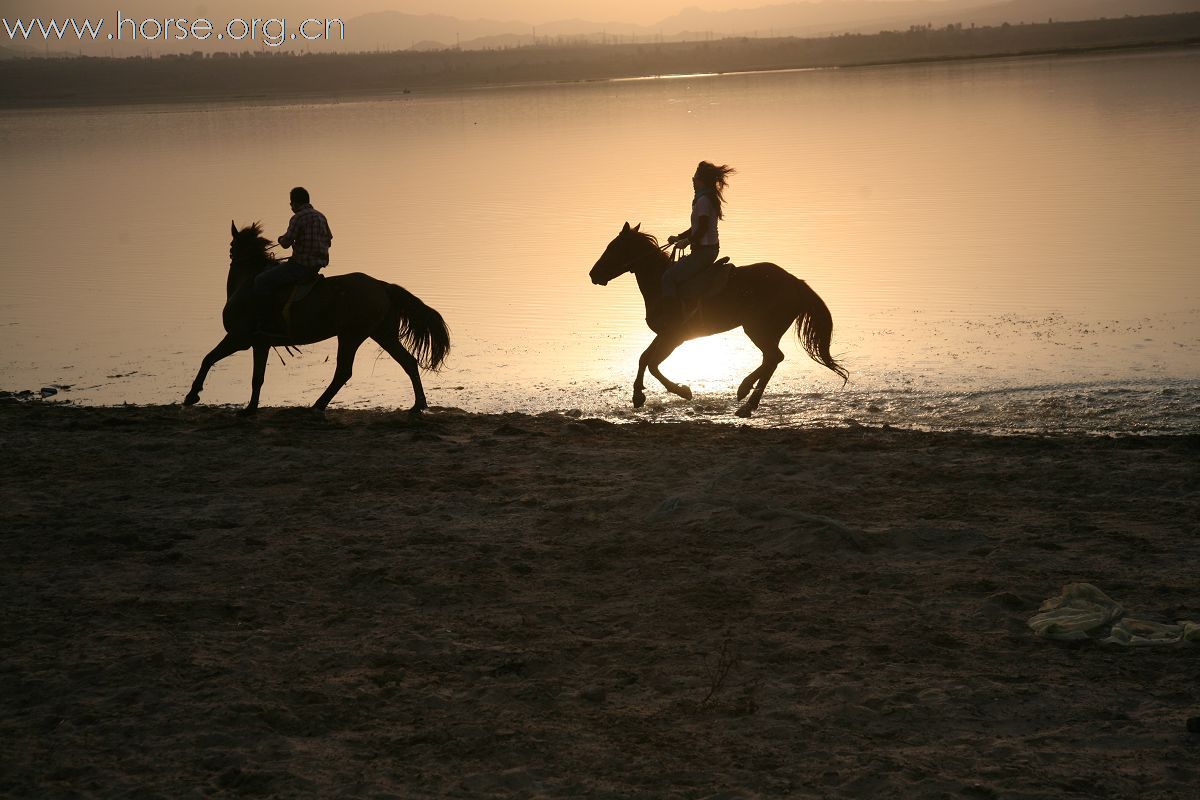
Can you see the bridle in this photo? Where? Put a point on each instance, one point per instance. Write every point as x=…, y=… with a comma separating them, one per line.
x=626, y=267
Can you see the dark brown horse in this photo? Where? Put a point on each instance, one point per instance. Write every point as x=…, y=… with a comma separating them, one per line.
x=764, y=299
x=351, y=307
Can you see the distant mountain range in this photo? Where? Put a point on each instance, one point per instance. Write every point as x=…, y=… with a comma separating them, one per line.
x=865, y=16
x=1016, y=11
x=19, y=51
x=397, y=31
x=393, y=30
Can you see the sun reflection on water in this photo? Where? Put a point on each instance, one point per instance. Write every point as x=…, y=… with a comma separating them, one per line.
x=713, y=363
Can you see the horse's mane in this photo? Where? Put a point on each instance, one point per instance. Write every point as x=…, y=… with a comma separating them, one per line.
x=649, y=237
x=252, y=234
x=649, y=242
x=249, y=254
x=256, y=246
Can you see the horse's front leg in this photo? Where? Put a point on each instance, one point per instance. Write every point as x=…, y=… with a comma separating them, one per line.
x=655, y=354
x=226, y=347
x=261, y=351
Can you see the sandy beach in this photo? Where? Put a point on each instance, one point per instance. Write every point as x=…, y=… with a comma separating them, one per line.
x=374, y=605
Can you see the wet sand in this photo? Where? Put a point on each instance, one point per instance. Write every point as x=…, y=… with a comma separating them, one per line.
x=461, y=605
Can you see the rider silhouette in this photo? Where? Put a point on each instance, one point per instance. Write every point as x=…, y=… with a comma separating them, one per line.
x=708, y=182
x=309, y=238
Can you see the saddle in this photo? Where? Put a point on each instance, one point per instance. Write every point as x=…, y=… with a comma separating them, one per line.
x=711, y=281
x=708, y=283
x=294, y=294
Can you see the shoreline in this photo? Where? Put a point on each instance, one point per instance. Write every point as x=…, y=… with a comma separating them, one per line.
x=1144, y=409
x=351, y=96
x=478, y=605
x=187, y=87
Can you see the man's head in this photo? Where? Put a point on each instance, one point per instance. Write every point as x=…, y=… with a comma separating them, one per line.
x=299, y=198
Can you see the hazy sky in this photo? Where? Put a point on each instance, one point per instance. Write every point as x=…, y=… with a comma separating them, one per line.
x=535, y=11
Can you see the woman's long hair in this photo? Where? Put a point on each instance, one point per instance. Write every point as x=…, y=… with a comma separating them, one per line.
x=714, y=180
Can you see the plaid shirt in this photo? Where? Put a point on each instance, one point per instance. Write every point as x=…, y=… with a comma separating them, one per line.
x=309, y=237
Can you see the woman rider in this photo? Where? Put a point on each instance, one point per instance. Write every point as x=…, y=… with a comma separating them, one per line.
x=708, y=182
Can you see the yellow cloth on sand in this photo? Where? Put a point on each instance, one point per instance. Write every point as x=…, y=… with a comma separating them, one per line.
x=1082, y=611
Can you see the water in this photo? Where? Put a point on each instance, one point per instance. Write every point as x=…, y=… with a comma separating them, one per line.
x=1005, y=245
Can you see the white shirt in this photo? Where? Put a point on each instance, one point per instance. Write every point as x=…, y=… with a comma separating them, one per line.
x=703, y=206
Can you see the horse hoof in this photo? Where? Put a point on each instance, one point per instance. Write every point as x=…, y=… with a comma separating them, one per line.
x=248, y=412
x=639, y=400
x=744, y=390
x=744, y=412
x=416, y=410
x=685, y=392
x=191, y=399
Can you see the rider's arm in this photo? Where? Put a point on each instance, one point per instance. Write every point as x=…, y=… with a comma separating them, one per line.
x=289, y=237
x=692, y=234
x=680, y=237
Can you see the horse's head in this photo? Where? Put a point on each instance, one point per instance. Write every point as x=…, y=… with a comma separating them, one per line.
x=249, y=253
x=630, y=250
x=249, y=249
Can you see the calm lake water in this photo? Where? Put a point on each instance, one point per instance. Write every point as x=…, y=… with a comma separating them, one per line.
x=1005, y=245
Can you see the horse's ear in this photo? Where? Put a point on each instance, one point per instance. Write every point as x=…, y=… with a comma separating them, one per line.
x=232, y=228
x=637, y=227
x=626, y=228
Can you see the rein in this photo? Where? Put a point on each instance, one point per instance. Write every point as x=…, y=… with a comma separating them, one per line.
x=661, y=248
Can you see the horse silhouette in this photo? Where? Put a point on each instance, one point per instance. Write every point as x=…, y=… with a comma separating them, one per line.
x=764, y=299
x=352, y=307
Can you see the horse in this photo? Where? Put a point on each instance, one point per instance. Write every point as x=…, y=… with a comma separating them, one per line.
x=352, y=307
x=764, y=299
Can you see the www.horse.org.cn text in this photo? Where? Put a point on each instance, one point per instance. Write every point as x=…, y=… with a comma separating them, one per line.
x=271, y=32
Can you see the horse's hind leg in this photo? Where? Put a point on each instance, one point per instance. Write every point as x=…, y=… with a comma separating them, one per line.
x=347, y=347
x=226, y=347
x=406, y=360
x=767, y=340
x=654, y=355
x=748, y=383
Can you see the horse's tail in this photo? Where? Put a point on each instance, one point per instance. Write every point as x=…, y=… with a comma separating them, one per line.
x=421, y=329
x=814, y=328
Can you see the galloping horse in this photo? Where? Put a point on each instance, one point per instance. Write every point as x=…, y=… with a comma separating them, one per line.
x=351, y=307
x=764, y=299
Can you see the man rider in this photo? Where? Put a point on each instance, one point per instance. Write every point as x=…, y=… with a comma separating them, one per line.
x=309, y=238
